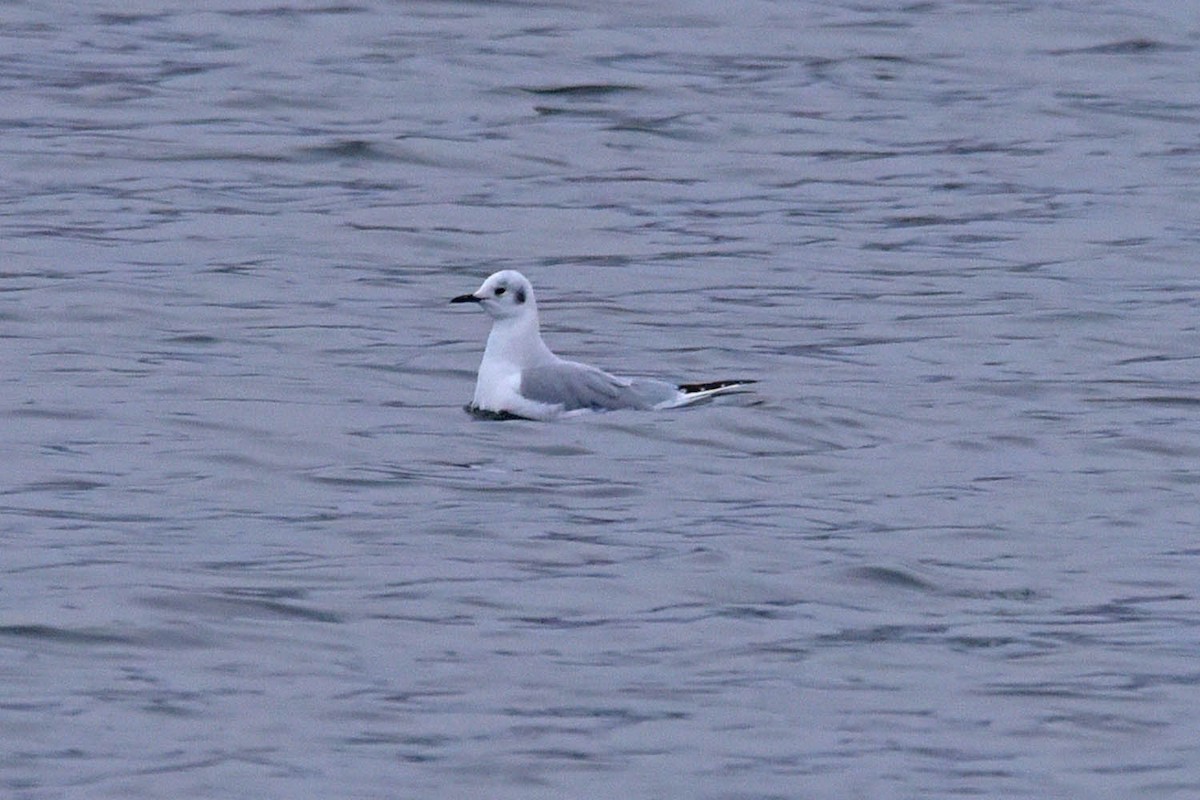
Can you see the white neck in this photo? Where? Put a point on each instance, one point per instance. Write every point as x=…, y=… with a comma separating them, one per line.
x=517, y=341
x=513, y=345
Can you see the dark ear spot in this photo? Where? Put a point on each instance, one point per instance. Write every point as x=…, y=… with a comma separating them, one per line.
x=520, y=295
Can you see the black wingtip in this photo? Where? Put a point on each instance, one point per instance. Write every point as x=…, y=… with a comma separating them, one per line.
x=712, y=386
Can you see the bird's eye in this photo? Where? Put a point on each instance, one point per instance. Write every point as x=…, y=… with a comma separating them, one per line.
x=499, y=291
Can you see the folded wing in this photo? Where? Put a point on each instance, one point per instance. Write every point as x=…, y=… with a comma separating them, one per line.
x=577, y=386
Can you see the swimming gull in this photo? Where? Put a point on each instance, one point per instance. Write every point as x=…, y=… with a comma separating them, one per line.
x=520, y=377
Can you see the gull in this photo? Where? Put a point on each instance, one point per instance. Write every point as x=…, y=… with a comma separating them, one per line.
x=520, y=377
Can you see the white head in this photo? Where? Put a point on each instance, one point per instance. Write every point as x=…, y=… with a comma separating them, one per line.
x=504, y=295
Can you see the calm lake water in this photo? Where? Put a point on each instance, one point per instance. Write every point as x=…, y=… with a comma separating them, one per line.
x=252, y=545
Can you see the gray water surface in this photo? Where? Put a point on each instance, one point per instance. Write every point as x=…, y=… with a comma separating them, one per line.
x=252, y=546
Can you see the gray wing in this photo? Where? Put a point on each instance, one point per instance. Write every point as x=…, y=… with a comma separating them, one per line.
x=575, y=386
